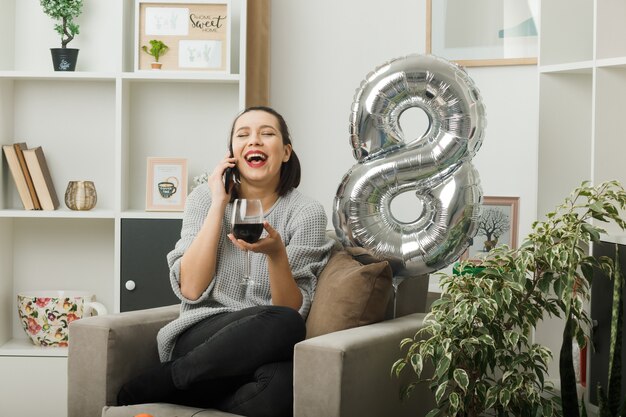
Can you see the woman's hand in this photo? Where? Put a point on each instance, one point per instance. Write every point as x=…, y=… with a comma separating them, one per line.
x=216, y=179
x=271, y=245
x=283, y=287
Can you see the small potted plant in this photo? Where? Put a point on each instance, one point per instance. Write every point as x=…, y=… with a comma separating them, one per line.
x=157, y=48
x=64, y=12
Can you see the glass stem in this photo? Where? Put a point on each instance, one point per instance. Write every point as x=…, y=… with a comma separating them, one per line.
x=247, y=271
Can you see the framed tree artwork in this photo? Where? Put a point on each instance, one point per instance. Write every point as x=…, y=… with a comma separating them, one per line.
x=498, y=225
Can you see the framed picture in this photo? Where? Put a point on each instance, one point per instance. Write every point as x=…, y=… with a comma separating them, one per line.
x=196, y=32
x=166, y=185
x=476, y=33
x=498, y=225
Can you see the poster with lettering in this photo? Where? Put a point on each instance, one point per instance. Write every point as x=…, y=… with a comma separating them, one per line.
x=187, y=35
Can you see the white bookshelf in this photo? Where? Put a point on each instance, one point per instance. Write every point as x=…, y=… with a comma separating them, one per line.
x=99, y=123
x=582, y=90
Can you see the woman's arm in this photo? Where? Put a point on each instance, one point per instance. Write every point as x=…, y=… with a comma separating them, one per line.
x=198, y=264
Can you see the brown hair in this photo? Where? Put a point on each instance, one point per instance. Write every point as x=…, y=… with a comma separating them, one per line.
x=290, y=171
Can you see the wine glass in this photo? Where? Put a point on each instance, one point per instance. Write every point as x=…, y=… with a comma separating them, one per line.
x=247, y=225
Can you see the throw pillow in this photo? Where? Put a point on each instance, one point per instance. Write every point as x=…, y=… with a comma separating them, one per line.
x=349, y=294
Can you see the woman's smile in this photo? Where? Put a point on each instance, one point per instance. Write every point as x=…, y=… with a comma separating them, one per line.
x=255, y=158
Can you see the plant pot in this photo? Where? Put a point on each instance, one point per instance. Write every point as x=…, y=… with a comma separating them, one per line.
x=471, y=268
x=156, y=65
x=64, y=59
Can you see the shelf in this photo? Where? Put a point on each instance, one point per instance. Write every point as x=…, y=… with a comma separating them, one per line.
x=611, y=62
x=138, y=214
x=620, y=239
x=180, y=76
x=60, y=213
x=59, y=75
x=24, y=347
x=98, y=123
x=582, y=67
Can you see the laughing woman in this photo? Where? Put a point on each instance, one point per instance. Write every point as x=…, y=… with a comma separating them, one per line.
x=232, y=346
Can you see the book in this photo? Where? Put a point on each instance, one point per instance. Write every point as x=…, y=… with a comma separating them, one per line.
x=19, y=150
x=42, y=180
x=18, y=176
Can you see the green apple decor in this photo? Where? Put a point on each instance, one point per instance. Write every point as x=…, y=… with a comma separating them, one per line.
x=64, y=12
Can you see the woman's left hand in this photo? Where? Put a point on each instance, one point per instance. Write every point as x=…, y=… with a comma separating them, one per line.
x=271, y=245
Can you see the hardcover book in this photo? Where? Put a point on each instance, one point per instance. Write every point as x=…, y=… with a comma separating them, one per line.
x=42, y=180
x=18, y=176
x=19, y=150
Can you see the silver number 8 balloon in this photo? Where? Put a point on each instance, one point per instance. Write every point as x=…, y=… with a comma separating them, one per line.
x=435, y=166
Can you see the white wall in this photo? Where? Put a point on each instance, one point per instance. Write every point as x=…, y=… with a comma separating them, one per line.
x=321, y=51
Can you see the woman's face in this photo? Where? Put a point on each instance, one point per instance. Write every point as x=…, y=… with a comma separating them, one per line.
x=258, y=147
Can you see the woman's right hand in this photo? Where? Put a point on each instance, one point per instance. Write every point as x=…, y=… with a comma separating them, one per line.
x=216, y=179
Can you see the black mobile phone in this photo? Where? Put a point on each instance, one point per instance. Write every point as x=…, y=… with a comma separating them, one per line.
x=228, y=177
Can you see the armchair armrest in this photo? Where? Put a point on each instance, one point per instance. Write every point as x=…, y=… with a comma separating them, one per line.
x=348, y=373
x=106, y=351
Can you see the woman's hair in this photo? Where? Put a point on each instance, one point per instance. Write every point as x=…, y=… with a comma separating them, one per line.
x=290, y=170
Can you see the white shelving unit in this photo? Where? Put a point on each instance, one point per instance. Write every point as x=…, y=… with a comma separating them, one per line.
x=99, y=123
x=582, y=81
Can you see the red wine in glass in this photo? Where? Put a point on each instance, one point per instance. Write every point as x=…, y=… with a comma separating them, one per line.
x=247, y=225
x=250, y=232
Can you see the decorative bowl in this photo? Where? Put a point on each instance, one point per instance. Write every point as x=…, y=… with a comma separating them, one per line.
x=46, y=315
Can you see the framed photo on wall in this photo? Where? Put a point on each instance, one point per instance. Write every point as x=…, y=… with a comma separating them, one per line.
x=498, y=225
x=476, y=33
x=196, y=32
x=166, y=184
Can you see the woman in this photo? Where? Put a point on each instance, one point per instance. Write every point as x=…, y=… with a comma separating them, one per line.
x=232, y=346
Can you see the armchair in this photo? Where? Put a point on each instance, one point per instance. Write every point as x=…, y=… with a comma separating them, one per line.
x=343, y=373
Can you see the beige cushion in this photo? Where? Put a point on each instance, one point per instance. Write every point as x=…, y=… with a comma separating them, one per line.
x=349, y=294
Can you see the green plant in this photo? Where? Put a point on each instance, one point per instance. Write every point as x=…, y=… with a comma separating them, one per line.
x=477, y=335
x=64, y=12
x=157, y=48
x=609, y=403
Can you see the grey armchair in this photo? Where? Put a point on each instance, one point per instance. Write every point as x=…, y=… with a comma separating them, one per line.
x=345, y=373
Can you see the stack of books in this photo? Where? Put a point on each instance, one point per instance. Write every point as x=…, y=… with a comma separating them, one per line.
x=32, y=177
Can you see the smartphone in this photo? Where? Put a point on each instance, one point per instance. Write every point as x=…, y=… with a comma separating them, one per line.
x=230, y=175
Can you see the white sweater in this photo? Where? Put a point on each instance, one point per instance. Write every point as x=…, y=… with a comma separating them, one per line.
x=301, y=222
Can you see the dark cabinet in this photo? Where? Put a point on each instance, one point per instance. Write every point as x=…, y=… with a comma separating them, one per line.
x=601, y=307
x=144, y=272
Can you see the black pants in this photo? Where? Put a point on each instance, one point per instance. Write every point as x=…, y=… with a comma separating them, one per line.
x=240, y=362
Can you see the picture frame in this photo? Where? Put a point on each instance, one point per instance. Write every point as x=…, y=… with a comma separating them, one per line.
x=498, y=225
x=197, y=33
x=166, y=184
x=478, y=33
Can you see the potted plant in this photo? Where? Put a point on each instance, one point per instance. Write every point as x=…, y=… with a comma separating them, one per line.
x=478, y=335
x=157, y=48
x=609, y=396
x=64, y=12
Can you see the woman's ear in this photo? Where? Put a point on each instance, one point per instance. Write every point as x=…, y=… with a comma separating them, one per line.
x=288, y=149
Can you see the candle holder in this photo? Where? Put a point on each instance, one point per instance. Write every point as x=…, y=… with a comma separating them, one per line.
x=81, y=195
